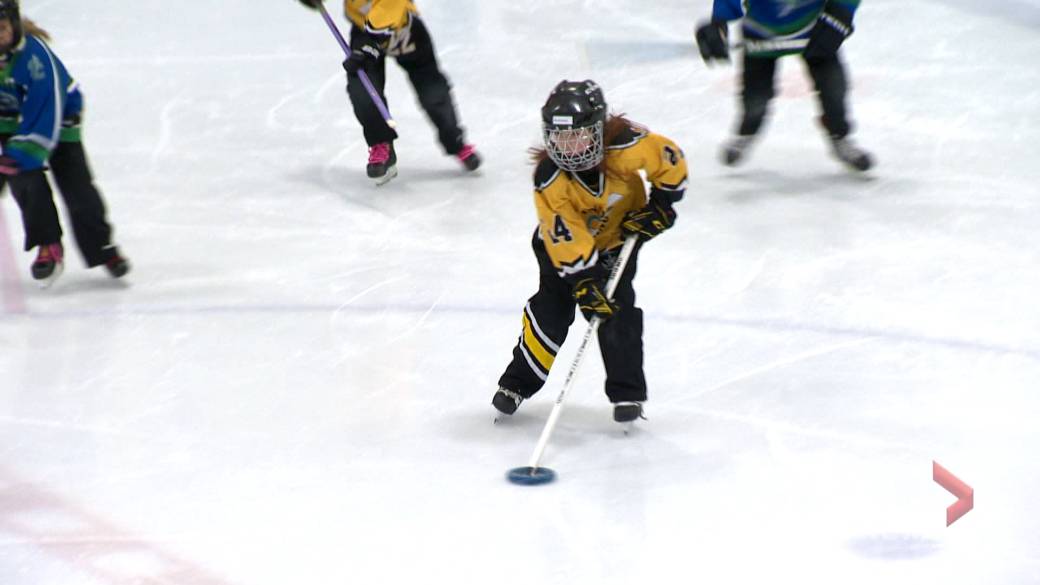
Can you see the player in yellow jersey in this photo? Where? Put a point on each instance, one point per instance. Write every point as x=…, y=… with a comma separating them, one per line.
x=383, y=28
x=589, y=194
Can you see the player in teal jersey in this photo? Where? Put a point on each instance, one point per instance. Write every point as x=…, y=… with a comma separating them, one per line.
x=40, y=113
x=815, y=29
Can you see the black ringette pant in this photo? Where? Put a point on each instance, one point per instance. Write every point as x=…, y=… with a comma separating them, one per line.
x=828, y=76
x=40, y=218
x=431, y=86
x=549, y=314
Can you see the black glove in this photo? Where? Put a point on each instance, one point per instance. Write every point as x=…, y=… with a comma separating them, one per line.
x=311, y=3
x=712, y=41
x=593, y=301
x=834, y=24
x=365, y=50
x=650, y=221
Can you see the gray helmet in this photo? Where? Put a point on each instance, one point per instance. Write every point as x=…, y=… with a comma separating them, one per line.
x=572, y=124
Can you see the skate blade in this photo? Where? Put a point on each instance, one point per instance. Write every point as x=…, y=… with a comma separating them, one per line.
x=45, y=283
x=855, y=169
x=390, y=174
x=500, y=417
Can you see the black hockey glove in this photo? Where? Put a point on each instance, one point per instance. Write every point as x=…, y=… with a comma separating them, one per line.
x=650, y=221
x=592, y=299
x=833, y=26
x=712, y=40
x=365, y=50
x=311, y=3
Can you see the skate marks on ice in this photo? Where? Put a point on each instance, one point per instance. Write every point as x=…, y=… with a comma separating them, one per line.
x=590, y=447
x=888, y=335
x=406, y=329
x=409, y=192
x=894, y=547
x=758, y=183
x=784, y=362
x=285, y=114
x=579, y=425
x=1020, y=12
x=83, y=281
x=578, y=422
x=32, y=515
x=168, y=123
x=602, y=53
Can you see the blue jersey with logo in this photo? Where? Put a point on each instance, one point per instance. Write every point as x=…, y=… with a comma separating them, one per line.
x=775, y=27
x=38, y=100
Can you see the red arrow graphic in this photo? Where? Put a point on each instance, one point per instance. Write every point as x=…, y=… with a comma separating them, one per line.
x=965, y=495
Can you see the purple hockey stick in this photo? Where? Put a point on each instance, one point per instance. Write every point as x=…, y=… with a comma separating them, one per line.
x=365, y=81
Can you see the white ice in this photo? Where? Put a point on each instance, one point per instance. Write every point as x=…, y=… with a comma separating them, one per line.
x=293, y=385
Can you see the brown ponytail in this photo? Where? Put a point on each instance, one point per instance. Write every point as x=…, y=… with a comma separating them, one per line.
x=31, y=28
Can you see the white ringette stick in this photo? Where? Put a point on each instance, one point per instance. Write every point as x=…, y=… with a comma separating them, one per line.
x=594, y=323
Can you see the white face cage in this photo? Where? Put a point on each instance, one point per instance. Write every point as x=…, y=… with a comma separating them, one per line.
x=574, y=149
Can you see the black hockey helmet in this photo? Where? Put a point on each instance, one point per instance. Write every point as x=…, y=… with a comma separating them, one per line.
x=572, y=124
x=9, y=11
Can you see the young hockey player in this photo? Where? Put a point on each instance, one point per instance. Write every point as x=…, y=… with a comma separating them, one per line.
x=40, y=115
x=589, y=194
x=393, y=28
x=773, y=28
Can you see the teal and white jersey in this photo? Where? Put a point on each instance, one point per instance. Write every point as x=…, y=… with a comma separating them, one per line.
x=775, y=27
x=40, y=103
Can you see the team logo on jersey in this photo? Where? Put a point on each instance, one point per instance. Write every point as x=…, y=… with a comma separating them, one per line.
x=365, y=8
x=597, y=221
x=36, y=68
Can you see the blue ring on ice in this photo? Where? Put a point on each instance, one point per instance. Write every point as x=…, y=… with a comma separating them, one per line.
x=530, y=475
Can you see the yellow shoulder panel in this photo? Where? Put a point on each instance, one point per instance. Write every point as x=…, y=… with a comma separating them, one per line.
x=661, y=159
x=380, y=16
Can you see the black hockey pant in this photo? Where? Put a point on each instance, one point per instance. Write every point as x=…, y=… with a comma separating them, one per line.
x=828, y=75
x=419, y=61
x=546, y=319
x=33, y=193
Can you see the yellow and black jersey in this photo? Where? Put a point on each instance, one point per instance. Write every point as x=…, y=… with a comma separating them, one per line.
x=580, y=213
x=381, y=17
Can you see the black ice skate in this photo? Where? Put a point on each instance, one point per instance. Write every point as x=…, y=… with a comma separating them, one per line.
x=49, y=264
x=117, y=266
x=505, y=402
x=627, y=413
x=847, y=152
x=734, y=150
x=468, y=157
x=382, y=162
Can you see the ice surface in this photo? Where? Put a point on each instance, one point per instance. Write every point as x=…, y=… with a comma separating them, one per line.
x=294, y=383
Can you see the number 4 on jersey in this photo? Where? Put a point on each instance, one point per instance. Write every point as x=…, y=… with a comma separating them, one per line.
x=560, y=231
